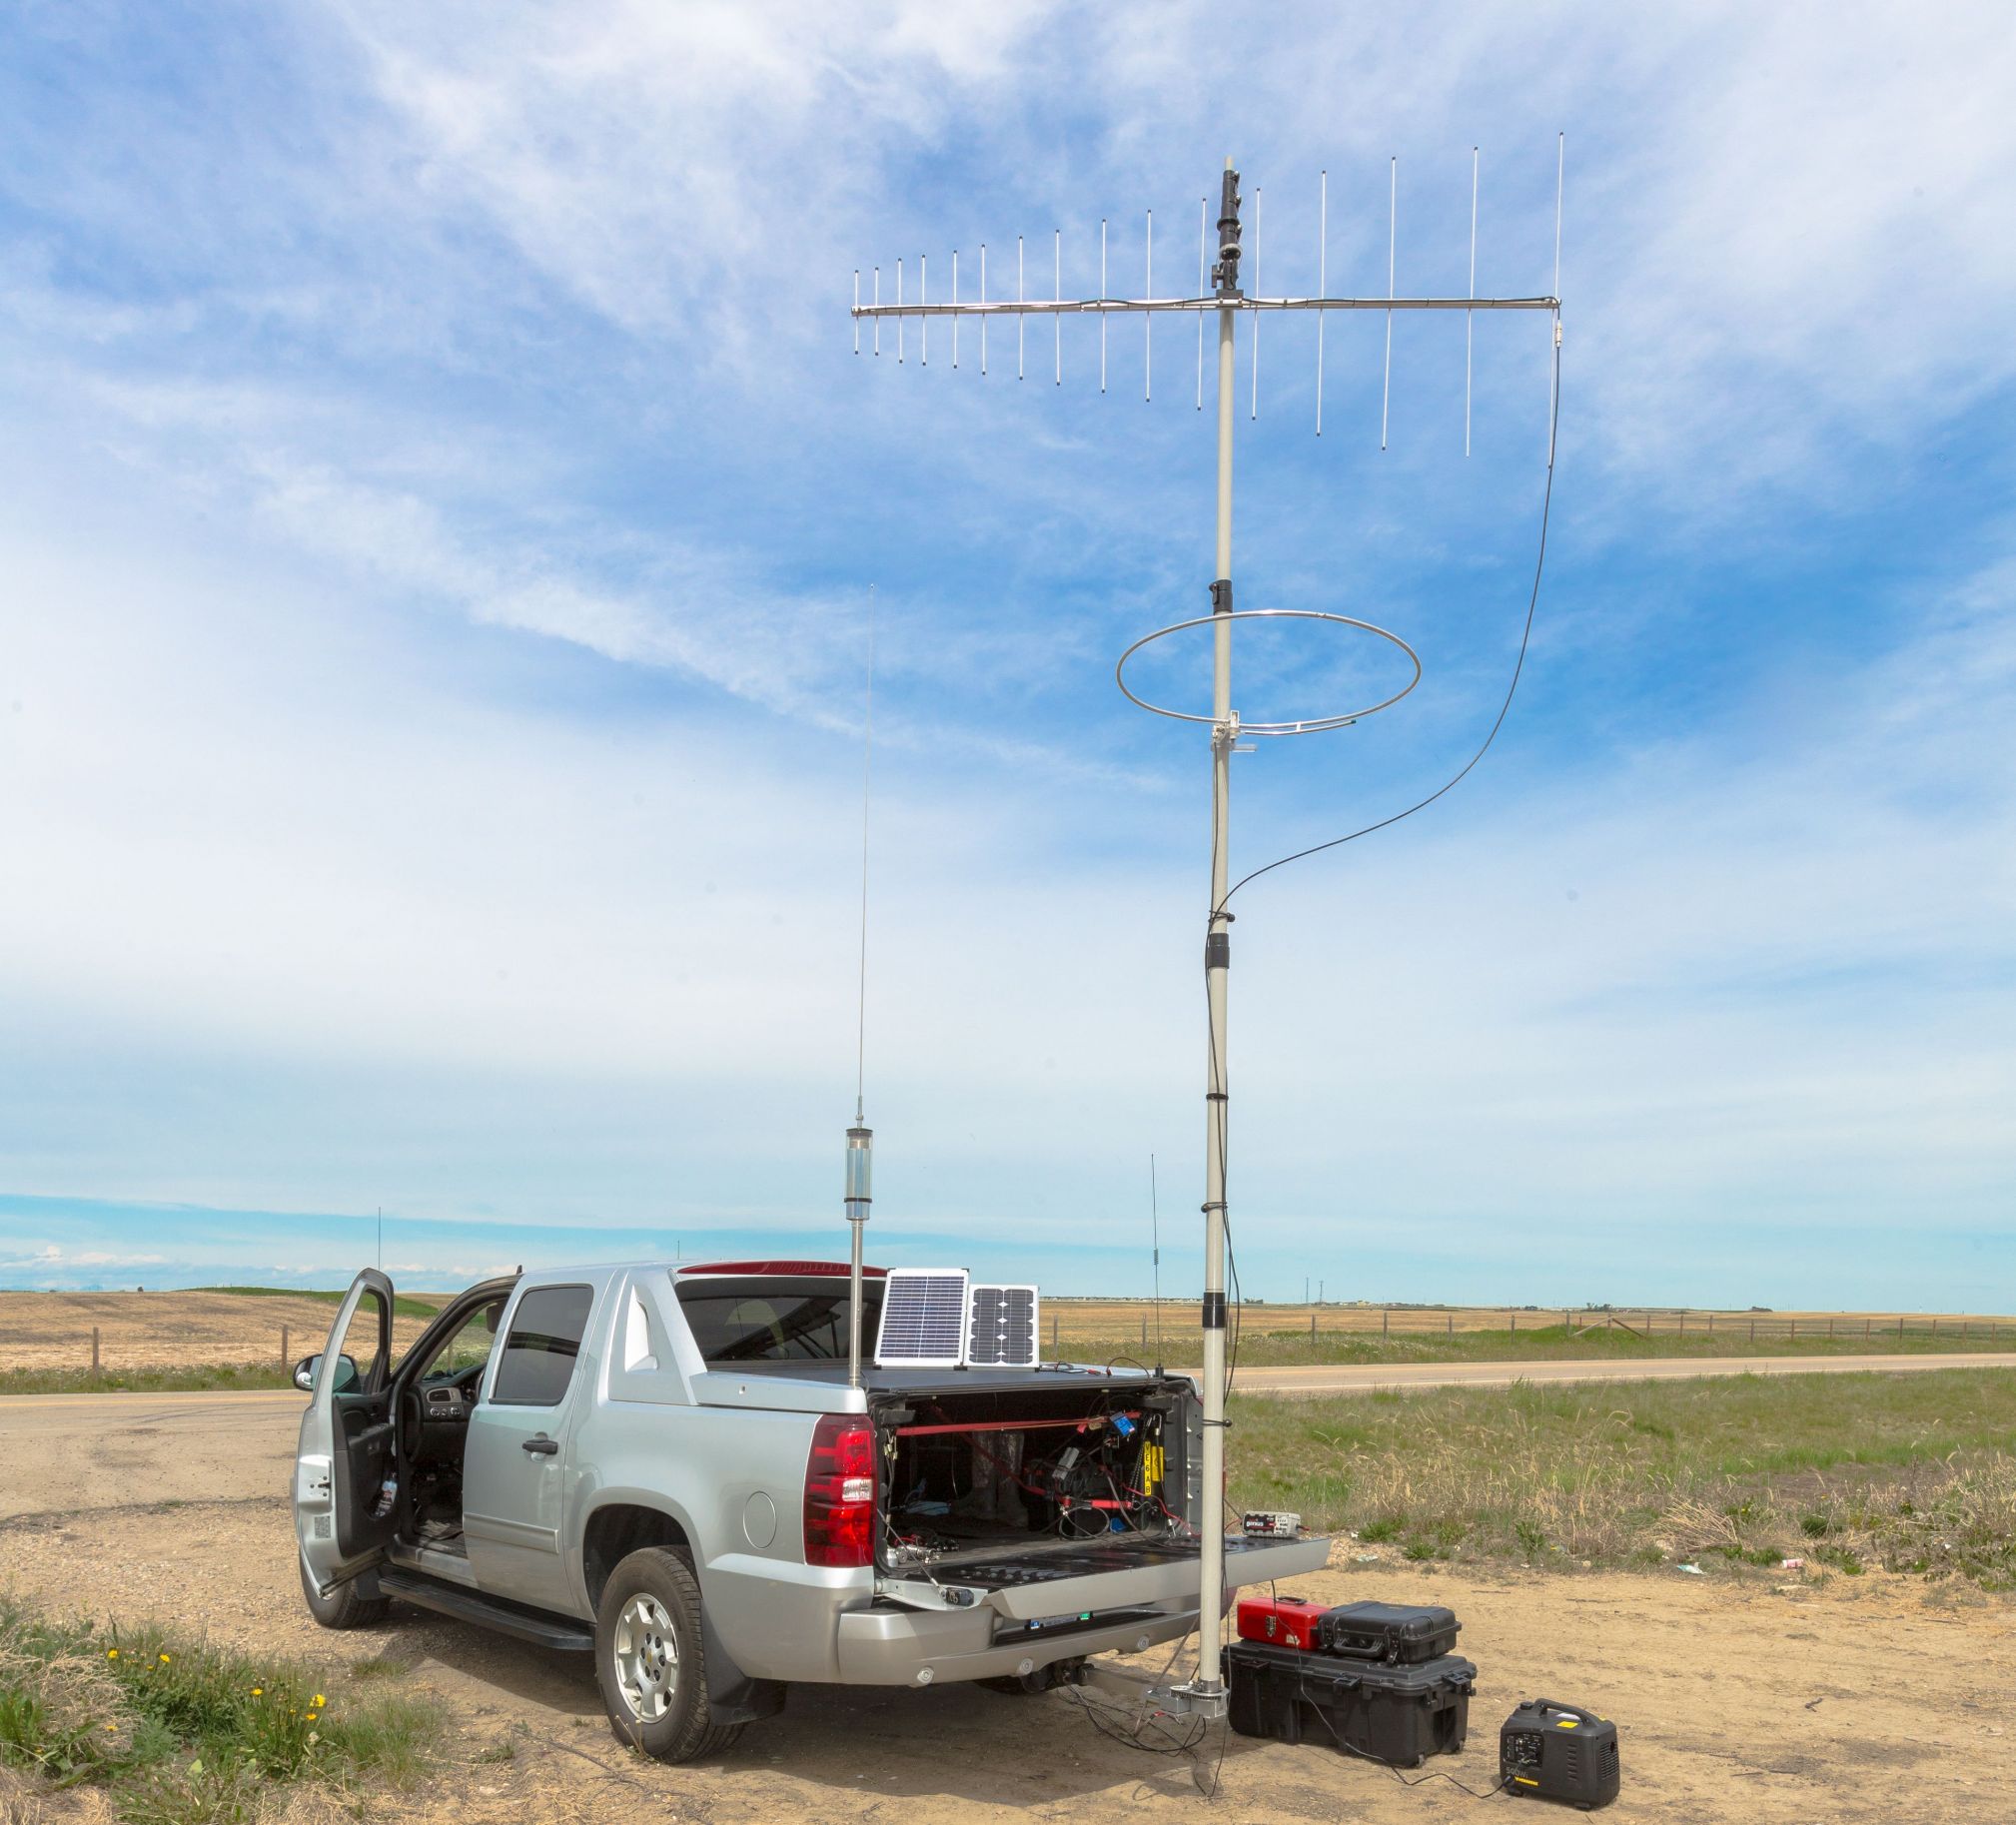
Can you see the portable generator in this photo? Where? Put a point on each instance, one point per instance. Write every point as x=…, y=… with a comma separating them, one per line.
x=1552, y=1751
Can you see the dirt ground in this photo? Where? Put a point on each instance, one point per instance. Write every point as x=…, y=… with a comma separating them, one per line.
x=1740, y=1701
x=166, y=1329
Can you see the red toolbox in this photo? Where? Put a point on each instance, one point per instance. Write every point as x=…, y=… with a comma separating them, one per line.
x=1280, y=1622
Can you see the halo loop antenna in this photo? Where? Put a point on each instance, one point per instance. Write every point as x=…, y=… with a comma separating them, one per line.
x=1305, y=725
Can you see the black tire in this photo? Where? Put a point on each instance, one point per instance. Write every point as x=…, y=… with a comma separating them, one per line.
x=344, y=1607
x=669, y=1641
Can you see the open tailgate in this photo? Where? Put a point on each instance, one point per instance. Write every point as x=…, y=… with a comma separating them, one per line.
x=1096, y=1576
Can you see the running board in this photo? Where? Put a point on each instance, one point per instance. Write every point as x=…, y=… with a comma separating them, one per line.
x=538, y=1626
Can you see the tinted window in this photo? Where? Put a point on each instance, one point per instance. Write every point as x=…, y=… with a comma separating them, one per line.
x=776, y=1321
x=537, y=1359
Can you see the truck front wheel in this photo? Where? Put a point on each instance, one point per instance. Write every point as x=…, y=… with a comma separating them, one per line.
x=650, y=1661
x=343, y=1607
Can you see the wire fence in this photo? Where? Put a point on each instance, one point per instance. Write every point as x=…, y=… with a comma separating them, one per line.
x=1108, y=1320
x=118, y=1347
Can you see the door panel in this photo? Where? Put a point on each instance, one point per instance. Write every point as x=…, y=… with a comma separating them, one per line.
x=514, y=1466
x=344, y=1450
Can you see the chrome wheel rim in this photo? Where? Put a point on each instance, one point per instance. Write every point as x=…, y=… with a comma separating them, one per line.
x=645, y=1652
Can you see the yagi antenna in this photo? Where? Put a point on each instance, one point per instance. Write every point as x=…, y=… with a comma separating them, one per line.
x=1221, y=296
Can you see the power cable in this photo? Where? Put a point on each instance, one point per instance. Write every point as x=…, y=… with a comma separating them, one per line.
x=1498, y=722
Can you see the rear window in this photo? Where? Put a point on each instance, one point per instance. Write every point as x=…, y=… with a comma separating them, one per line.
x=774, y=1319
x=537, y=1358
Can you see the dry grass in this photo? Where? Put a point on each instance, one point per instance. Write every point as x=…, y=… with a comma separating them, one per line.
x=1911, y=1473
x=175, y=1333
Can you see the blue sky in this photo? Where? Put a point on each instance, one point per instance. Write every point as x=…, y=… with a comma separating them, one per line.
x=436, y=520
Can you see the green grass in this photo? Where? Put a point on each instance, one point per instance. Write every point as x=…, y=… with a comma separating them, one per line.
x=141, y=1381
x=1263, y=1348
x=405, y=1304
x=177, y=1732
x=1909, y=1472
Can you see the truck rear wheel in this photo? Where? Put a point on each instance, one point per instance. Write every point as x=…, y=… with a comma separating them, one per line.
x=649, y=1660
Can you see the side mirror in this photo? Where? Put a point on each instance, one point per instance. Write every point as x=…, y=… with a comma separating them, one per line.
x=306, y=1370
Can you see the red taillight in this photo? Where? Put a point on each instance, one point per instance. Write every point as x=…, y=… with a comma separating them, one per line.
x=840, y=1492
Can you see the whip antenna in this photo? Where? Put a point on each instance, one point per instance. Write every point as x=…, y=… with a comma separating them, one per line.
x=861, y=1138
x=1155, y=1256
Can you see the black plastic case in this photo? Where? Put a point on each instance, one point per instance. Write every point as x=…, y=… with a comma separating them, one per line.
x=1396, y=1714
x=1552, y=1751
x=1387, y=1632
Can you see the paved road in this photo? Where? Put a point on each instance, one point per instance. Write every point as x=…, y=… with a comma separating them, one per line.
x=67, y=1453
x=1357, y=1377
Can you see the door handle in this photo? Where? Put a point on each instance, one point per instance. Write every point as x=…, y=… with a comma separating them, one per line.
x=542, y=1447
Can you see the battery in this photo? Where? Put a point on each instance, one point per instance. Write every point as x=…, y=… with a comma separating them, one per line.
x=1280, y=1622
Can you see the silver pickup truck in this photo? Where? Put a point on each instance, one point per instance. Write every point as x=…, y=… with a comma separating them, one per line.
x=663, y=1466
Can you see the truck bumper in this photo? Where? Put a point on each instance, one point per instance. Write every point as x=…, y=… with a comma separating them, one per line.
x=1021, y=1627
x=921, y=1646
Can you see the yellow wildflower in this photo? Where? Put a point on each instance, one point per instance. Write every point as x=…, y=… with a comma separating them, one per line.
x=259, y=1691
x=112, y=1653
x=164, y=1659
x=319, y=1698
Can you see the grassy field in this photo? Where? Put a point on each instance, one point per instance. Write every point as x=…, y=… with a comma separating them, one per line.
x=175, y=1732
x=1911, y=1472
x=405, y=1304
x=203, y=1378
x=1262, y=1347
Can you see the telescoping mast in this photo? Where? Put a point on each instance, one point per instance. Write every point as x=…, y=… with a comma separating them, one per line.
x=1226, y=299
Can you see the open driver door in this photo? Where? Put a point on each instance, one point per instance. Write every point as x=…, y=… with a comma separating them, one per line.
x=346, y=1498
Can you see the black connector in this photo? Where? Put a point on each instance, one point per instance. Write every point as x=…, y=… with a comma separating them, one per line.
x=1225, y=274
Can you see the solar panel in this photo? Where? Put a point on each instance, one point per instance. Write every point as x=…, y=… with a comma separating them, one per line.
x=1001, y=1328
x=923, y=1319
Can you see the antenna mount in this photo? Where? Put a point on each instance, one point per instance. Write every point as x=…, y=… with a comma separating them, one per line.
x=1225, y=274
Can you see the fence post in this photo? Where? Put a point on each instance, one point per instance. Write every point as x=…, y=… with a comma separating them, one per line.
x=1144, y=1331
x=1900, y=1323
x=94, y=1350
x=1867, y=1322
x=1795, y=1329
x=1754, y=1331
x=1514, y=1317
x=1452, y=1323
x=1053, y=1334
x=283, y=1349
x=1935, y=1327
x=1311, y=1328
x=1711, y=1323
x=1384, y=1320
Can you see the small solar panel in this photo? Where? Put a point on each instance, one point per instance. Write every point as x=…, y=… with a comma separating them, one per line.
x=1001, y=1328
x=923, y=1319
